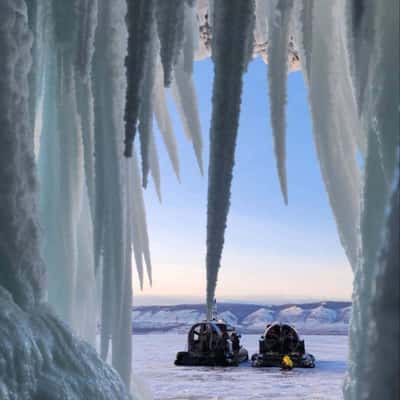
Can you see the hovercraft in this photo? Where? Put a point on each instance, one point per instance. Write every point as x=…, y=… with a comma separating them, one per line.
x=212, y=343
x=279, y=342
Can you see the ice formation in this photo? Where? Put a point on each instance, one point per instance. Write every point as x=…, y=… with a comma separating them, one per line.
x=79, y=78
x=39, y=358
x=233, y=24
x=170, y=24
x=278, y=38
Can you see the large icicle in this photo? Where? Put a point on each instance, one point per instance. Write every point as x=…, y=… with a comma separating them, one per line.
x=139, y=21
x=85, y=101
x=61, y=164
x=112, y=236
x=87, y=23
x=87, y=16
x=334, y=115
x=232, y=47
x=164, y=121
x=140, y=235
x=191, y=36
x=170, y=22
x=146, y=103
x=133, y=183
x=261, y=29
x=278, y=34
x=154, y=165
x=22, y=267
x=183, y=88
x=185, y=99
x=37, y=12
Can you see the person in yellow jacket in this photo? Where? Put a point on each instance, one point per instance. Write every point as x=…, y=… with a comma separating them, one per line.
x=287, y=363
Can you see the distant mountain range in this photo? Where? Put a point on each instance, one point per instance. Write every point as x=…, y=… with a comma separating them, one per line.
x=329, y=317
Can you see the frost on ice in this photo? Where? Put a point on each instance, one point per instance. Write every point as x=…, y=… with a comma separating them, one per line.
x=77, y=80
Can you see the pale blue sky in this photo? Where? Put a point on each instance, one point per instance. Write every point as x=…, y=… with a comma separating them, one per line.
x=272, y=252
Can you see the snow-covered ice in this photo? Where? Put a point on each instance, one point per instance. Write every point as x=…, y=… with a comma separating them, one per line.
x=154, y=361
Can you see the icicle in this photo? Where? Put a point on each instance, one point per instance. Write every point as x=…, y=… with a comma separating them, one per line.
x=84, y=92
x=133, y=219
x=86, y=310
x=139, y=21
x=22, y=268
x=278, y=39
x=154, y=165
x=170, y=23
x=140, y=217
x=40, y=49
x=164, y=121
x=191, y=36
x=87, y=21
x=112, y=236
x=86, y=14
x=232, y=46
x=61, y=163
x=303, y=29
x=185, y=99
x=69, y=197
x=359, y=58
x=146, y=104
x=334, y=116
x=261, y=30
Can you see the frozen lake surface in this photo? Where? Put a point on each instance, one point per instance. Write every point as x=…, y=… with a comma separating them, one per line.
x=154, y=356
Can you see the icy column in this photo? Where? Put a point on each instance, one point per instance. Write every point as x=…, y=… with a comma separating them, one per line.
x=232, y=46
x=185, y=98
x=334, y=113
x=139, y=21
x=40, y=358
x=164, y=121
x=348, y=58
x=112, y=216
x=65, y=144
x=22, y=268
x=374, y=344
x=278, y=39
x=146, y=104
x=170, y=25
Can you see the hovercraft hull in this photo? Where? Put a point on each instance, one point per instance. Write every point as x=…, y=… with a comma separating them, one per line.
x=210, y=359
x=275, y=360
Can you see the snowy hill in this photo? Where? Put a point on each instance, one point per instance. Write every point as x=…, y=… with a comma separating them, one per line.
x=309, y=318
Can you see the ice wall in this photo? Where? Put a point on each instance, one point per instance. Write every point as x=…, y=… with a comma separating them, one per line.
x=39, y=358
x=22, y=270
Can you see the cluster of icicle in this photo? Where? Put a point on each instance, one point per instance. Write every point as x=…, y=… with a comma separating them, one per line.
x=90, y=57
x=349, y=57
x=97, y=78
x=63, y=93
